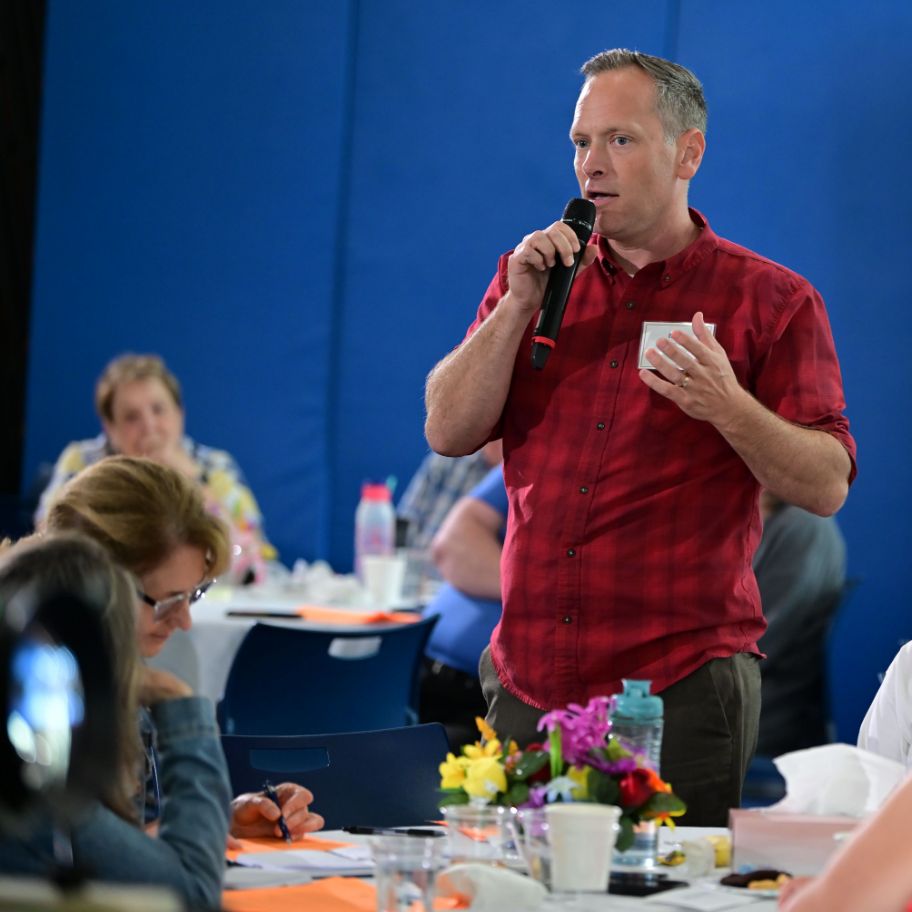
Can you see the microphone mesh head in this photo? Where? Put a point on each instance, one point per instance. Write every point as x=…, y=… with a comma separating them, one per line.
x=580, y=215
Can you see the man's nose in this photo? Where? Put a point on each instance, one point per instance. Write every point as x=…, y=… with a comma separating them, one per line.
x=595, y=163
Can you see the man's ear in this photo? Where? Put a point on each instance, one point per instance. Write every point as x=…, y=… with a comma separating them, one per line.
x=691, y=146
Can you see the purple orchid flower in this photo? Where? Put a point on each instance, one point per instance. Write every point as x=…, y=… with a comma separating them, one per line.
x=584, y=729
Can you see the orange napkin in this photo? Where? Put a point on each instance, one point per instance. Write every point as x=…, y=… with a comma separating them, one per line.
x=323, y=615
x=333, y=894
x=274, y=844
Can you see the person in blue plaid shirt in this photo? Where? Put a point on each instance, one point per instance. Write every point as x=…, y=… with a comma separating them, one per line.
x=439, y=482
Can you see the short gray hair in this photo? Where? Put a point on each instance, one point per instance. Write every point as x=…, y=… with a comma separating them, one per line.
x=679, y=94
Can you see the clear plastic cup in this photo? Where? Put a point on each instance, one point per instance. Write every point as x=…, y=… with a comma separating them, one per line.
x=581, y=837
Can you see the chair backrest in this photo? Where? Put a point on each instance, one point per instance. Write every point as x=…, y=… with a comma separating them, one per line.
x=285, y=681
x=376, y=778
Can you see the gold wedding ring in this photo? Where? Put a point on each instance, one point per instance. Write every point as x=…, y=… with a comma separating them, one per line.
x=685, y=379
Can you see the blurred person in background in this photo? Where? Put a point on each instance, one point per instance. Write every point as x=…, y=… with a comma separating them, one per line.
x=108, y=841
x=467, y=552
x=434, y=489
x=800, y=569
x=152, y=521
x=139, y=404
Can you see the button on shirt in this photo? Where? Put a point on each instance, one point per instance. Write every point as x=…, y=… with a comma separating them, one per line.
x=647, y=575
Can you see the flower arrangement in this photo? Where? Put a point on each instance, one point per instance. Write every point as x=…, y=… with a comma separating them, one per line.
x=579, y=761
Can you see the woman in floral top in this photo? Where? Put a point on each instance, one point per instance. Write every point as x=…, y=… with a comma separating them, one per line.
x=139, y=403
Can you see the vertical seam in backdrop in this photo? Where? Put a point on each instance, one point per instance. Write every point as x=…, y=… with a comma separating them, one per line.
x=672, y=29
x=339, y=285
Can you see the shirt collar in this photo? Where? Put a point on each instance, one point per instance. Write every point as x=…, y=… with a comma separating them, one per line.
x=683, y=261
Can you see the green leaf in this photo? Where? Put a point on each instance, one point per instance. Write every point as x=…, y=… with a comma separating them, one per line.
x=529, y=764
x=602, y=788
x=517, y=794
x=453, y=796
x=663, y=803
x=625, y=836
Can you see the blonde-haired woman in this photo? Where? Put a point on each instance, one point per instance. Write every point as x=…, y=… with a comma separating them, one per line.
x=152, y=521
x=140, y=406
x=107, y=841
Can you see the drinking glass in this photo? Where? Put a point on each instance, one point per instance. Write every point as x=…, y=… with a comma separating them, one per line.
x=405, y=870
x=485, y=835
x=534, y=844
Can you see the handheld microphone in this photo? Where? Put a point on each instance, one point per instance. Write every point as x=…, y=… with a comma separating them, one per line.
x=580, y=216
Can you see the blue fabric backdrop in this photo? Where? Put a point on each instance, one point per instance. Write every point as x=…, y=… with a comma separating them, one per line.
x=300, y=204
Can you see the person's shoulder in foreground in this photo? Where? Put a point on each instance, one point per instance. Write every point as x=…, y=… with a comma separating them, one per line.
x=107, y=840
x=870, y=871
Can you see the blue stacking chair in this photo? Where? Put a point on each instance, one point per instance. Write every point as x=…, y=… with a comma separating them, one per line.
x=376, y=778
x=285, y=681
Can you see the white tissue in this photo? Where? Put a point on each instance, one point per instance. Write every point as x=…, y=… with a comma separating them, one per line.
x=836, y=780
x=491, y=889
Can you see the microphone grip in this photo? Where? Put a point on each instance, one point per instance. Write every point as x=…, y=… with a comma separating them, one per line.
x=552, y=310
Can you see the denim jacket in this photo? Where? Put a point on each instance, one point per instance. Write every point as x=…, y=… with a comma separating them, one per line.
x=188, y=855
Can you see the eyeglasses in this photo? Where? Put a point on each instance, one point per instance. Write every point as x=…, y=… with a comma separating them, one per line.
x=165, y=606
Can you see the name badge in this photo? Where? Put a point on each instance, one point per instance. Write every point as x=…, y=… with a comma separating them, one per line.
x=653, y=331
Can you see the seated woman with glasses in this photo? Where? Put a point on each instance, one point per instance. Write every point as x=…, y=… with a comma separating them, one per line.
x=139, y=403
x=100, y=836
x=152, y=521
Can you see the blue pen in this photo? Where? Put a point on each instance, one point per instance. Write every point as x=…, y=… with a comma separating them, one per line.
x=272, y=795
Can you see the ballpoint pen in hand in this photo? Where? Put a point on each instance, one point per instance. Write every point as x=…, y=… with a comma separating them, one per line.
x=270, y=792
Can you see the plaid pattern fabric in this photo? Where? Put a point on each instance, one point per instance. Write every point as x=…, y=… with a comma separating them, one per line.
x=632, y=525
x=439, y=482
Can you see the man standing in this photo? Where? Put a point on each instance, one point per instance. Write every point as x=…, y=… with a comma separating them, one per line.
x=633, y=492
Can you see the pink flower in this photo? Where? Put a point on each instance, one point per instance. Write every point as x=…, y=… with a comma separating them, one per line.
x=583, y=729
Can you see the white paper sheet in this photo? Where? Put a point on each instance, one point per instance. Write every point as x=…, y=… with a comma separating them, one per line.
x=348, y=861
x=709, y=898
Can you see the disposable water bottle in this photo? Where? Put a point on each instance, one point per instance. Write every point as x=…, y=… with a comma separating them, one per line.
x=637, y=720
x=375, y=524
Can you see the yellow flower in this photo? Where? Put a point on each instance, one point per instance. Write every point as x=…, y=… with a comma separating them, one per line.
x=579, y=775
x=487, y=733
x=477, y=750
x=484, y=778
x=453, y=772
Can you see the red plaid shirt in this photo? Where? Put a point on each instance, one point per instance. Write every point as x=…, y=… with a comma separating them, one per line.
x=632, y=526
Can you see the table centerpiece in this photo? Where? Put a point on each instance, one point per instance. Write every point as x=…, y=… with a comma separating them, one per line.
x=577, y=760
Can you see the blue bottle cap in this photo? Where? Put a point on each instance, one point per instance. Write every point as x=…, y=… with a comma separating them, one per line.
x=636, y=703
